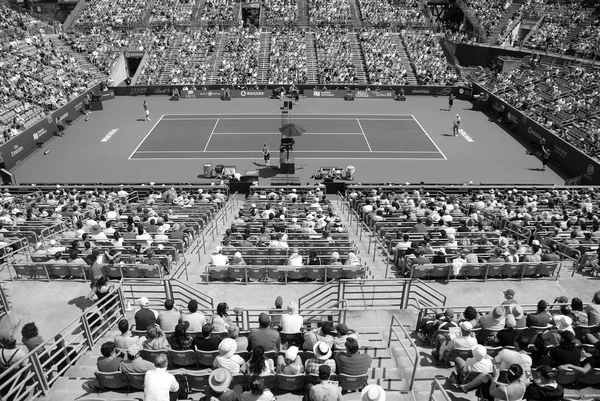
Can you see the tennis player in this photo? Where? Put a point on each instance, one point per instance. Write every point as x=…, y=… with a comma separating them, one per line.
x=456, y=125
x=266, y=155
x=147, y=110
x=451, y=101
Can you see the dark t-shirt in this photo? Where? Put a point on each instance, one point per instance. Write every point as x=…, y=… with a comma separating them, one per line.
x=561, y=356
x=544, y=393
x=227, y=395
x=207, y=344
x=506, y=337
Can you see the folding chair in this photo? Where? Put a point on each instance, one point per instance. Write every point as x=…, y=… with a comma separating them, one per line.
x=219, y=171
x=291, y=382
x=352, y=383
x=337, y=173
x=292, y=338
x=111, y=380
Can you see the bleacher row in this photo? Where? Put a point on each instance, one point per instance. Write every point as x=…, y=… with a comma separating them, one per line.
x=283, y=273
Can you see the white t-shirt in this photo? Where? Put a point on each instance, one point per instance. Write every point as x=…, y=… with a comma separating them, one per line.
x=291, y=323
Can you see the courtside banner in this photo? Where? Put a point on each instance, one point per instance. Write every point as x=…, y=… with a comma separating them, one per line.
x=430, y=90
x=250, y=93
x=23, y=144
x=200, y=94
x=325, y=93
x=563, y=153
x=72, y=110
x=369, y=94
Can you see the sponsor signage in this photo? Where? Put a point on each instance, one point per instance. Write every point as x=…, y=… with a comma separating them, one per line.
x=326, y=93
x=374, y=94
x=562, y=153
x=250, y=93
x=198, y=94
x=134, y=54
x=23, y=144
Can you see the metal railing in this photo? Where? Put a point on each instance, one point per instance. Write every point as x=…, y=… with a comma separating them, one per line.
x=158, y=290
x=5, y=304
x=413, y=354
x=437, y=386
x=421, y=291
x=44, y=365
x=248, y=318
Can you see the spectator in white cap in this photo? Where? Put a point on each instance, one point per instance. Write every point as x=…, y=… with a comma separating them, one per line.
x=145, y=316
x=291, y=363
x=228, y=359
x=161, y=235
x=295, y=258
x=372, y=392
x=335, y=259
x=238, y=260
x=480, y=364
x=465, y=341
x=294, y=226
x=134, y=363
x=217, y=258
x=291, y=322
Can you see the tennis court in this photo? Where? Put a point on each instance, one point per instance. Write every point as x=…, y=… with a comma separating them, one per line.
x=241, y=137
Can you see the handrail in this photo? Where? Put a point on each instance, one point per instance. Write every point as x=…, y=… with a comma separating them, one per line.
x=4, y=302
x=158, y=290
x=249, y=317
x=42, y=366
x=321, y=296
x=436, y=385
x=417, y=359
x=430, y=291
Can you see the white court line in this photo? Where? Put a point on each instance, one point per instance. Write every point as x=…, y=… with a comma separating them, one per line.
x=278, y=133
x=297, y=158
x=278, y=114
x=211, y=134
x=465, y=135
x=147, y=135
x=434, y=144
x=295, y=151
x=363, y=132
x=291, y=118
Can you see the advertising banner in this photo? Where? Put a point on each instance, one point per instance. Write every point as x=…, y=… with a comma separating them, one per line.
x=134, y=54
x=565, y=155
x=250, y=93
x=368, y=94
x=325, y=93
x=200, y=94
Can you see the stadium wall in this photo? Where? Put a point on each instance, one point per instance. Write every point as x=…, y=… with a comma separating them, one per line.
x=119, y=72
x=359, y=91
x=19, y=147
x=565, y=155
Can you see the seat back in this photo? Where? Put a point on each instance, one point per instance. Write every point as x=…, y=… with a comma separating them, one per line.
x=352, y=383
x=315, y=273
x=291, y=382
x=77, y=271
x=296, y=339
x=111, y=380
x=151, y=271
x=197, y=381
x=494, y=269
x=183, y=358
x=206, y=358
x=351, y=272
x=269, y=380
x=547, y=269
x=256, y=273
x=151, y=354
x=299, y=273
x=474, y=271
x=591, y=378
x=218, y=273
x=335, y=273
x=22, y=269
x=136, y=380
x=58, y=270
x=113, y=271
x=237, y=273
x=131, y=271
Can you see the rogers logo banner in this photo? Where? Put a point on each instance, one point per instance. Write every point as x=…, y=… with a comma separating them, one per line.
x=252, y=93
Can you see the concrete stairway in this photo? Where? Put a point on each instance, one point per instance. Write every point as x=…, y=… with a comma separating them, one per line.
x=358, y=57
x=223, y=36
x=412, y=79
x=355, y=13
x=311, y=58
x=302, y=12
x=264, y=56
x=501, y=25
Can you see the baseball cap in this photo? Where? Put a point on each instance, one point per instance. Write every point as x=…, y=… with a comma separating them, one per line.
x=466, y=327
x=143, y=301
x=291, y=353
x=133, y=350
x=218, y=249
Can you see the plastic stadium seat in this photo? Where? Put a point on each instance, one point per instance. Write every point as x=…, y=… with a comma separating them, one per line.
x=352, y=383
x=111, y=380
x=512, y=270
x=40, y=271
x=457, y=353
x=151, y=271
x=270, y=382
x=298, y=273
x=547, y=269
x=58, y=270
x=22, y=269
x=131, y=271
x=529, y=269
x=151, y=354
x=197, y=381
x=218, y=273
x=315, y=273
x=206, y=358
x=113, y=272
x=334, y=273
x=494, y=270
x=296, y=339
x=440, y=271
x=237, y=273
x=256, y=273
x=581, y=331
x=421, y=271
x=591, y=378
x=77, y=271
x=566, y=376
x=351, y=272
x=135, y=380
x=183, y=358
x=474, y=271
x=291, y=382
x=275, y=273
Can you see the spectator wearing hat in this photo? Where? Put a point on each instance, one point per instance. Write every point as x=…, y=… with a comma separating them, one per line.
x=109, y=361
x=509, y=296
x=134, y=363
x=541, y=318
x=372, y=392
x=181, y=341
x=295, y=258
x=196, y=318
x=465, y=341
x=442, y=321
x=168, y=318
x=217, y=258
x=519, y=314
x=264, y=335
x=160, y=385
x=508, y=357
x=322, y=353
x=352, y=362
x=238, y=260
x=228, y=359
x=551, y=255
x=218, y=386
x=291, y=363
x=493, y=320
x=544, y=386
x=258, y=391
x=145, y=316
x=233, y=332
x=480, y=363
x=326, y=390
x=506, y=337
x=206, y=341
